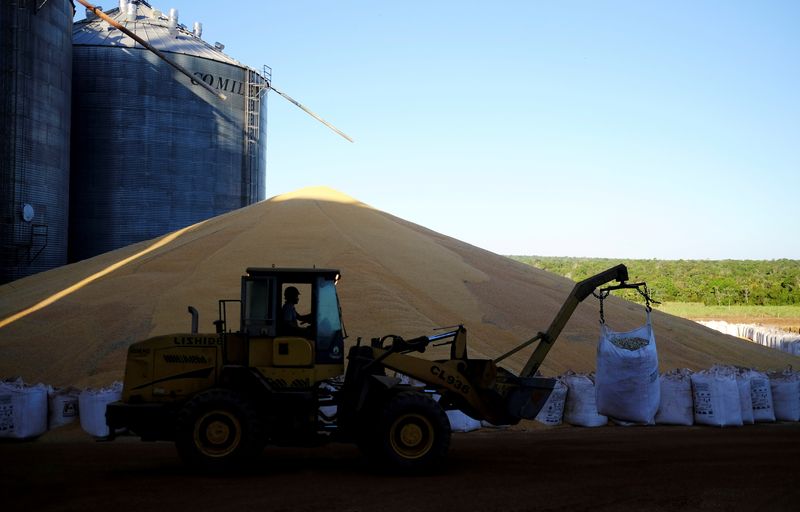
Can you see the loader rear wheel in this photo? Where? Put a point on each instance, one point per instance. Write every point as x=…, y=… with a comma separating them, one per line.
x=219, y=430
x=413, y=434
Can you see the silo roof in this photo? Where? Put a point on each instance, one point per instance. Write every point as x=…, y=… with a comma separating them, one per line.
x=152, y=25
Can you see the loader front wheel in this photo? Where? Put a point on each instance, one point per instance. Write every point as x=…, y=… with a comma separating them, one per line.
x=218, y=430
x=413, y=434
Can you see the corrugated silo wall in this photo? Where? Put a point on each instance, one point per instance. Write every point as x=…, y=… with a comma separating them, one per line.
x=151, y=152
x=36, y=75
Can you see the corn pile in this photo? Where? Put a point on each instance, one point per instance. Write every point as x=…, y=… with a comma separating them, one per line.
x=629, y=343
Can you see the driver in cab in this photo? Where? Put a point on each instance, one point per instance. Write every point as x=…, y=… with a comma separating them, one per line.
x=289, y=316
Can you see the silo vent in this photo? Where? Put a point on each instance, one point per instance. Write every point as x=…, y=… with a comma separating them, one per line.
x=173, y=19
x=219, y=46
x=131, y=15
x=198, y=29
x=156, y=14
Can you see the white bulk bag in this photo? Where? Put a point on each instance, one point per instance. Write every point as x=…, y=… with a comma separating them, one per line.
x=627, y=378
x=785, y=389
x=716, y=399
x=761, y=396
x=553, y=409
x=62, y=406
x=745, y=398
x=676, y=406
x=580, y=407
x=23, y=410
x=460, y=422
x=92, y=404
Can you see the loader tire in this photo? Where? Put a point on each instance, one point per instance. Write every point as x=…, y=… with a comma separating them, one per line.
x=413, y=435
x=219, y=430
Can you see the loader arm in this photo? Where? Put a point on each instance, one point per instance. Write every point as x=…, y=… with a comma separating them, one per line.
x=546, y=339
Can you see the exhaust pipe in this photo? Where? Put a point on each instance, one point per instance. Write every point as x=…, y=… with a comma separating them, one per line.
x=195, y=318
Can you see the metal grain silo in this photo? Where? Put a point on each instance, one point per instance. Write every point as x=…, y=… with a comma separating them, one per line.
x=151, y=152
x=35, y=82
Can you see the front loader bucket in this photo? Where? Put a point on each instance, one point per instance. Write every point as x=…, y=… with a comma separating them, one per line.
x=528, y=396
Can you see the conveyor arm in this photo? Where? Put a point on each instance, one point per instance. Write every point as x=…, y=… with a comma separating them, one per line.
x=546, y=339
x=99, y=13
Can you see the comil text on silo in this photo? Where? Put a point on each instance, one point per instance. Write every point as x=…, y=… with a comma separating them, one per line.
x=224, y=84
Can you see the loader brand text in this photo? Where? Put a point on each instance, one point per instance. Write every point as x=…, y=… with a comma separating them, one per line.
x=185, y=359
x=450, y=380
x=197, y=340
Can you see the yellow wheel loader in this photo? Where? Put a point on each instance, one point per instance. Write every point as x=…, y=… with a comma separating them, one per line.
x=280, y=378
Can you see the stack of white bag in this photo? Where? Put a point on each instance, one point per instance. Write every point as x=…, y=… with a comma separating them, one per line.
x=785, y=387
x=718, y=397
x=760, y=396
x=716, y=391
x=23, y=410
x=553, y=409
x=745, y=395
x=62, y=404
x=676, y=406
x=92, y=404
x=580, y=408
x=627, y=374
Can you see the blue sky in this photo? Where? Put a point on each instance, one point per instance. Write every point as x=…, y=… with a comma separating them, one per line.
x=597, y=128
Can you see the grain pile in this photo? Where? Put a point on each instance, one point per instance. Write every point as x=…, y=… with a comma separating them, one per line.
x=397, y=277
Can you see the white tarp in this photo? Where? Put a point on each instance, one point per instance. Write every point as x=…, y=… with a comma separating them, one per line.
x=676, y=406
x=763, y=335
x=761, y=397
x=23, y=410
x=627, y=374
x=716, y=398
x=580, y=408
x=553, y=409
x=785, y=387
x=62, y=405
x=92, y=405
x=460, y=422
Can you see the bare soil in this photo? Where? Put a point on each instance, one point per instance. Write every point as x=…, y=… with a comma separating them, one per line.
x=613, y=468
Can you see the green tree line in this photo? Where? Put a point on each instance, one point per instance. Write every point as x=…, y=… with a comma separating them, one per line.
x=711, y=282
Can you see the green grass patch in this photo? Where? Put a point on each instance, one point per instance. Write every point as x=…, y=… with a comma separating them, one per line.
x=699, y=310
x=710, y=282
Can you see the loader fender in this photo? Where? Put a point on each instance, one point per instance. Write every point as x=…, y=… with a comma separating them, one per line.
x=247, y=380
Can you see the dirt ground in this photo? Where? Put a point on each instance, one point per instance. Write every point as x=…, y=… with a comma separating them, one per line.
x=610, y=468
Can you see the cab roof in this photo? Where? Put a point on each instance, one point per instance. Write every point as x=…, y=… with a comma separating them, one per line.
x=293, y=274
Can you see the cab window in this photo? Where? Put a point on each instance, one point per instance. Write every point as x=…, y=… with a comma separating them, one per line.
x=329, y=325
x=259, y=308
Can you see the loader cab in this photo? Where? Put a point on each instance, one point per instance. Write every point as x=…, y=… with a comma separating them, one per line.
x=263, y=294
